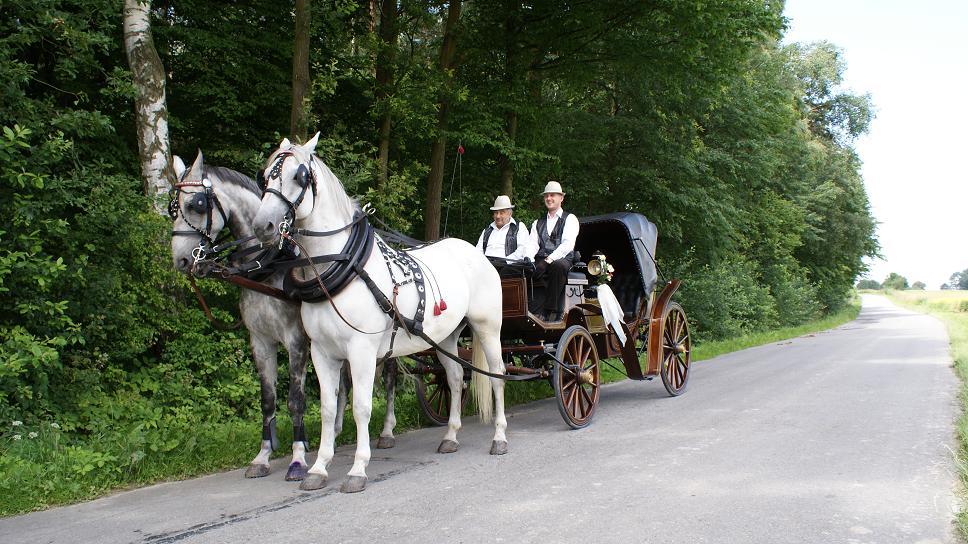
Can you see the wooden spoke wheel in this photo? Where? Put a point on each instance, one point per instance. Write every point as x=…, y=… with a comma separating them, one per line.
x=676, y=350
x=577, y=391
x=433, y=395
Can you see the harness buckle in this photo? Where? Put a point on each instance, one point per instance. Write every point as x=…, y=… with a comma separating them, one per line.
x=199, y=252
x=283, y=232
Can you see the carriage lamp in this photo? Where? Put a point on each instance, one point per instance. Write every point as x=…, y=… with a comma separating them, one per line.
x=600, y=268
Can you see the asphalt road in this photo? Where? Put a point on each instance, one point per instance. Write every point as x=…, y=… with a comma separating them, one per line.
x=842, y=436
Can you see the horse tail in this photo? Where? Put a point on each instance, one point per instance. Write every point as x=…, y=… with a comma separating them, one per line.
x=481, y=384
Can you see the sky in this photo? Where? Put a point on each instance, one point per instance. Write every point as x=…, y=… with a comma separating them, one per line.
x=912, y=57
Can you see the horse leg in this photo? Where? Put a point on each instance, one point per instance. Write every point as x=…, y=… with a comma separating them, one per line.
x=387, y=440
x=327, y=372
x=264, y=351
x=455, y=382
x=345, y=385
x=297, y=408
x=363, y=369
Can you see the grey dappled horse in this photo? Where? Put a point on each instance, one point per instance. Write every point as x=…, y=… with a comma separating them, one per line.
x=200, y=213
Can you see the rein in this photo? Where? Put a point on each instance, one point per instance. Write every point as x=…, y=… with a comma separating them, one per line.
x=218, y=324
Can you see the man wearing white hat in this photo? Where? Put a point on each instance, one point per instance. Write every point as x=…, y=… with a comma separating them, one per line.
x=554, y=236
x=505, y=238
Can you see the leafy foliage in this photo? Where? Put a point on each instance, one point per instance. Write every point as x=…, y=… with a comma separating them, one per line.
x=868, y=284
x=895, y=281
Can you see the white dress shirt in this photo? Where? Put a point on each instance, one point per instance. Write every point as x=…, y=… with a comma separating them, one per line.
x=495, y=244
x=568, y=236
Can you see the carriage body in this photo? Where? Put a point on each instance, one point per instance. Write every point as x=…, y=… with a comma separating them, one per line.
x=569, y=352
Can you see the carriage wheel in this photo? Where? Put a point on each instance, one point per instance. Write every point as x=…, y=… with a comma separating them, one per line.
x=577, y=396
x=676, y=350
x=433, y=394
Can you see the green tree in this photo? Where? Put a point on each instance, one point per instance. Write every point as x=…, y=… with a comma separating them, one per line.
x=895, y=281
x=958, y=280
x=918, y=285
x=868, y=284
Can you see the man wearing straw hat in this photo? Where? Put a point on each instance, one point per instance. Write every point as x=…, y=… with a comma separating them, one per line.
x=554, y=236
x=505, y=238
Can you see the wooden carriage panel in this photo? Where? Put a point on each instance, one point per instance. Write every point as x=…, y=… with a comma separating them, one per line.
x=515, y=293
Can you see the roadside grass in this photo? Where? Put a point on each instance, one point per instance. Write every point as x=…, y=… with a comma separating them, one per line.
x=46, y=466
x=951, y=307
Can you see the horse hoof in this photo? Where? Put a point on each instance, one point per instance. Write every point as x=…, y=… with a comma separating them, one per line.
x=297, y=472
x=312, y=482
x=499, y=447
x=353, y=484
x=257, y=471
x=448, y=446
x=385, y=443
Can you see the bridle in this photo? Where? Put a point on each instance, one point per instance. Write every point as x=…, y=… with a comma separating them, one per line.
x=202, y=202
x=305, y=179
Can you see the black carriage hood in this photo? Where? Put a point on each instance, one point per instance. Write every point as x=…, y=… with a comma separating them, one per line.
x=627, y=239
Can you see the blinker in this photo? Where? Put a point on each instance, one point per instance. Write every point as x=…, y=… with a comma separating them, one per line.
x=199, y=202
x=302, y=175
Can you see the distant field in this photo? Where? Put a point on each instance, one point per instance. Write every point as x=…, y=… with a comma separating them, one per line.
x=952, y=308
x=941, y=301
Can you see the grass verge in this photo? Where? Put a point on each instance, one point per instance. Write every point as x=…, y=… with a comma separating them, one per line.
x=951, y=307
x=45, y=466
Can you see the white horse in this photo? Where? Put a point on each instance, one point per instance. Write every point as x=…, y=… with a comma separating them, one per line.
x=198, y=218
x=351, y=326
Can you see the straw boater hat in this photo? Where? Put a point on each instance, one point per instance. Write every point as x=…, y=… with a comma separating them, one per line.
x=553, y=187
x=502, y=202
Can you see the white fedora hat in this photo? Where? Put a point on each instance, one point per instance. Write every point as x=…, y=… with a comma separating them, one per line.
x=502, y=202
x=553, y=187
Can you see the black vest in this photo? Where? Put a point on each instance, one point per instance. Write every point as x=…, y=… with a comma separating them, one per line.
x=548, y=243
x=510, y=243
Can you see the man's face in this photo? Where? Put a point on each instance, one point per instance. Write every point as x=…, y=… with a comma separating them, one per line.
x=501, y=217
x=553, y=201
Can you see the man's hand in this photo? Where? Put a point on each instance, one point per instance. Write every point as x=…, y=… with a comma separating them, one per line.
x=548, y=259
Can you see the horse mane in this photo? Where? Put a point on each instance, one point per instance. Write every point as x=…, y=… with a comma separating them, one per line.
x=234, y=178
x=344, y=202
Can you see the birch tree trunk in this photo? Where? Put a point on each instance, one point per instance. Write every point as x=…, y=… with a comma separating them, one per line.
x=151, y=110
x=436, y=177
x=299, y=119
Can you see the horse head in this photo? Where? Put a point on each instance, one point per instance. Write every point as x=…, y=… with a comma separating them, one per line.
x=290, y=184
x=205, y=201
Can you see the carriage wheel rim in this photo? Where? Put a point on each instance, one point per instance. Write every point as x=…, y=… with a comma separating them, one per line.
x=677, y=345
x=577, y=398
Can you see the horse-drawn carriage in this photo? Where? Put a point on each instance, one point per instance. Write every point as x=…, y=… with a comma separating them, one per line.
x=330, y=286
x=569, y=352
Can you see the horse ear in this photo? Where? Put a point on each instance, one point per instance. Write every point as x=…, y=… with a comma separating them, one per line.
x=199, y=163
x=310, y=146
x=179, y=165
x=285, y=143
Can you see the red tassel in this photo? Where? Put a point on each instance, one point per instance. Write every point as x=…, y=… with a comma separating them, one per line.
x=443, y=304
x=436, y=309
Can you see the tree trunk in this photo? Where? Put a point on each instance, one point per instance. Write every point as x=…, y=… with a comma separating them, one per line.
x=510, y=116
x=151, y=110
x=299, y=119
x=436, y=178
x=507, y=167
x=384, y=81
